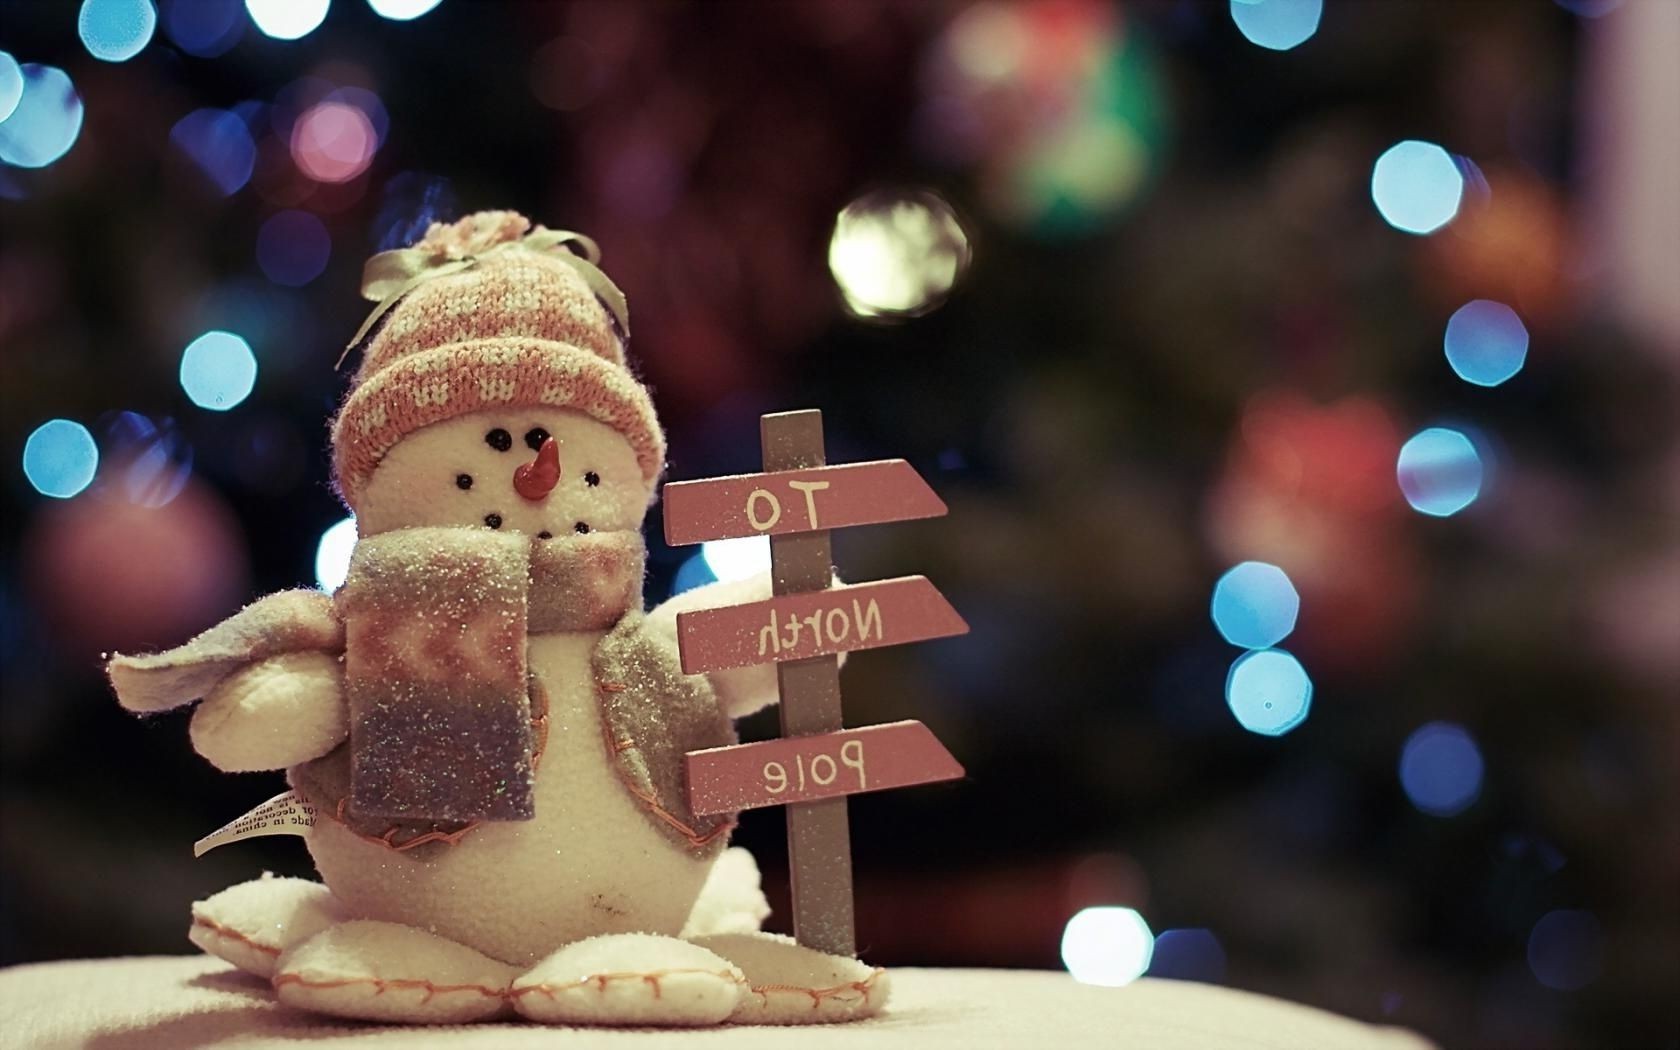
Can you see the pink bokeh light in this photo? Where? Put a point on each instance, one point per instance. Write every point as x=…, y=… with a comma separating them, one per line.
x=333, y=142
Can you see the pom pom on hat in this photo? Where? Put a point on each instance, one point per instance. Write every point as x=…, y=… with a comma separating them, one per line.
x=513, y=319
x=474, y=234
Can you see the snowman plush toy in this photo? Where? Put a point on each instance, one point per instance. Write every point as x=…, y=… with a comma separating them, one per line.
x=487, y=726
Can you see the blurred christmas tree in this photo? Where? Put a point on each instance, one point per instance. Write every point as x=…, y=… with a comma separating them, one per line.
x=1125, y=281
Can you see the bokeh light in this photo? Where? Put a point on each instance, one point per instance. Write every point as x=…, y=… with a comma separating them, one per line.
x=1268, y=691
x=1057, y=105
x=1108, y=946
x=116, y=30
x=11, y=84
x=1440, y=471
x=897, y=255
x=205, y=28
x=60, y=458
x=111, y=574
x=1188, y=955
x=1441, y=769
x=333, y=142
x=370, y=105
x=150, y=459
x=1277, y=24
x=332, y=554
x=402, y=10
x=287, y=19
x=1566, y=949
x=1486, y=342
x=45, y=120
x=1255, y=605
x=1417, y=186
x=737, y=559
x=293, y=247
x=218, y=370
x=220, y=144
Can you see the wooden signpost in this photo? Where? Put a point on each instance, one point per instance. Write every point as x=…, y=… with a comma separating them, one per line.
x=817, y=762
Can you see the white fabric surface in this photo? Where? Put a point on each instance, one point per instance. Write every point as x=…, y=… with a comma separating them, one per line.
x=163, y=1003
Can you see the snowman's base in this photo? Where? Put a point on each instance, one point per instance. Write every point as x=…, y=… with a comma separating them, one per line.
x=163, y=1003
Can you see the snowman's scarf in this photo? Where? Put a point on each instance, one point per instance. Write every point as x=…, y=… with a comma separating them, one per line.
x=436, y=609
x=436, y=623
x=433, y=624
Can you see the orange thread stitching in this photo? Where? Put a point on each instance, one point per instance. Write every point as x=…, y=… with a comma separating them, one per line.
x=232, y=934
x=601, y=980
x=380, y=984
x=618, y=747
x=694, y=837
x=862, y=988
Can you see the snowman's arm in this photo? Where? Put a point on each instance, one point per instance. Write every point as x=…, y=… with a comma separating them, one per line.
x=741, y=690
x=276, y=713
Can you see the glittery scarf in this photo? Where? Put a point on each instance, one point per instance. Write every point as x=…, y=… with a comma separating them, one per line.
x=436, y=627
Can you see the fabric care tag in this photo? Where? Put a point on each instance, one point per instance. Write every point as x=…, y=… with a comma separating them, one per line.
x=284, y=814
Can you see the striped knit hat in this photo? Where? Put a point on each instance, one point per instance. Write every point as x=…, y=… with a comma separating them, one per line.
x=488, y=313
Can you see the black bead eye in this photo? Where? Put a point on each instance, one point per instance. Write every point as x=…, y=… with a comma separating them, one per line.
x=534, y=438
x=499, y=439
x=493, y=520
x=463, y=481
x=582, y=526
x=591, y=479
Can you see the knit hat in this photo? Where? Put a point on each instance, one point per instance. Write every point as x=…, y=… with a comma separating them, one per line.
x=488, y=313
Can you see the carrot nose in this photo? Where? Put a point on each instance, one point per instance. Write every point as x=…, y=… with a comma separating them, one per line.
x=536, y=479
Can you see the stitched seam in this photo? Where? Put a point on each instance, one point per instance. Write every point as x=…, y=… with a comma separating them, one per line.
x=601, y=980
x=861, y=988
x=233, y=934
x=647, y=798
x=381, y=984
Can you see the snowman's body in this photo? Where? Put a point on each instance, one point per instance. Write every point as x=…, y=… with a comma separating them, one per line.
x=590, y=863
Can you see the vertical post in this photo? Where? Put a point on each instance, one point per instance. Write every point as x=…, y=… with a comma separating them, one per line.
x=819, y=839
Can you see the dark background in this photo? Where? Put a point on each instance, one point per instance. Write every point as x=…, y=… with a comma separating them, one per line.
x=1200, y=347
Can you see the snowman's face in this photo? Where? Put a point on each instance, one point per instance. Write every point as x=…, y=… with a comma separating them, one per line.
x=461, y=472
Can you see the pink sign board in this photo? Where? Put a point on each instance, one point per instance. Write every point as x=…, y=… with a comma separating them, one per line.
x=808, y=768
x=788, y=501
x=815, y=623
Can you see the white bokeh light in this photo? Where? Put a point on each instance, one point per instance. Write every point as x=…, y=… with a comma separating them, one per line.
x=402, y=10
x=738, y=559
x=1417, y=186
x=287, y=19
x=897, y=255
x=332, y=555
x=11, y=84
x=1108, y=946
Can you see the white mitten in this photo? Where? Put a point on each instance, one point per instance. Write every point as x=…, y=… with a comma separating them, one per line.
x=275, y=713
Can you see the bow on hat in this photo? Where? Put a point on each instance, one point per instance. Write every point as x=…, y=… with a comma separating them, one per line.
x=389, y=276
